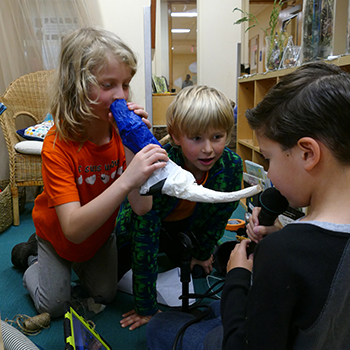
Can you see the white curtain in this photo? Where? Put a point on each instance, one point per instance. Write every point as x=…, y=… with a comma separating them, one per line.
x=30, y=33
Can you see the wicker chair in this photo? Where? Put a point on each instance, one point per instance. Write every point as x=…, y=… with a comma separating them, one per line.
x=29, y=96
x=164, y=140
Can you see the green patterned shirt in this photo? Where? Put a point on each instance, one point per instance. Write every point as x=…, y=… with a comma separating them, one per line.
x=208, y=223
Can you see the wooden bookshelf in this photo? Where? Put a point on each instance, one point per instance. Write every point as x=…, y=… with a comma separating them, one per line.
x=251, y=90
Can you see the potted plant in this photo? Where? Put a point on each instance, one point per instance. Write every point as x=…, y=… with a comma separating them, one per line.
x=275, y=38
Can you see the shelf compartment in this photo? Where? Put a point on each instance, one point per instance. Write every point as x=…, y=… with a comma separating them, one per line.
x=246, y=101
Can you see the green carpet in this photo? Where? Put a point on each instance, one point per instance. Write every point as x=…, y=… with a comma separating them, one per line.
x=16, y=300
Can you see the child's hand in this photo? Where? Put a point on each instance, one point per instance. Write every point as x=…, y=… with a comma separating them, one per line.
x=238, y=257
x=134, y=320
x=207, y=264
x=255, y=232
x=139, y=110
x=143, y=164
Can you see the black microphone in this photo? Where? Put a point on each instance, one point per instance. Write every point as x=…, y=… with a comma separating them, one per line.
x=272, y=204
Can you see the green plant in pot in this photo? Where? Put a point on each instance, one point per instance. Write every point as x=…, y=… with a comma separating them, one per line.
x=275, y=39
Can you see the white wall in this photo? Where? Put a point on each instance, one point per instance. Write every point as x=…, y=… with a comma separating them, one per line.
x=160, y=61
x=217, y=39
x=125, y=18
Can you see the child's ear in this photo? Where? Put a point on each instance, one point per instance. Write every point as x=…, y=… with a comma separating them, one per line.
x=175, y=139
x=310, y=152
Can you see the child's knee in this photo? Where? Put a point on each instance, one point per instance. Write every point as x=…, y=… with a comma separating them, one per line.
x=55, y=308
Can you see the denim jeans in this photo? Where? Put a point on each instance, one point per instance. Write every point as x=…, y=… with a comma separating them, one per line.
x=204, y=335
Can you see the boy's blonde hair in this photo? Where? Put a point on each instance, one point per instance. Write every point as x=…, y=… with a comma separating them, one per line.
x=84, y=53
x=197, y=108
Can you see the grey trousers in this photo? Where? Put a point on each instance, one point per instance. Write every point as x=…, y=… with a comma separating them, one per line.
x=49, y=280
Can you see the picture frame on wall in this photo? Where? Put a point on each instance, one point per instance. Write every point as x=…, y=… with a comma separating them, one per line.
x=254, y=54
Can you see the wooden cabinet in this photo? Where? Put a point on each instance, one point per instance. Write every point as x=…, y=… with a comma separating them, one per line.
x=160, y=104
x=251, y=90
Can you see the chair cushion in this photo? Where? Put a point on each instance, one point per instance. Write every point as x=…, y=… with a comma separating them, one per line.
x=29, y=147
x=36, y=132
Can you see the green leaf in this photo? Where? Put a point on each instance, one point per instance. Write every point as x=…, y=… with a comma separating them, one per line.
x=237, y=9
x=241, y=20
x=252, y=26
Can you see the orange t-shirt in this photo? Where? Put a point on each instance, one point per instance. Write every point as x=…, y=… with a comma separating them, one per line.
x=184, y=207
x=74, y=174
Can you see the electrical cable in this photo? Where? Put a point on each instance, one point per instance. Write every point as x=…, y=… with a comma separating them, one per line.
x=209, y=283
x=206, y=294
x=202, y=296
x=209, y=293
x=189, y=323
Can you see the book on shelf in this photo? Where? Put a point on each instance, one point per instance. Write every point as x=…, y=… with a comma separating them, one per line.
x=256, y=174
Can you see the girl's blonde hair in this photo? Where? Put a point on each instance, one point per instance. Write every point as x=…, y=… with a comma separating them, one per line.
x=84, y=52
x=197, y=108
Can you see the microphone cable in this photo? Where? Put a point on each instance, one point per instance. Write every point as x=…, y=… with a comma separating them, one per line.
x=189, y=323
x=209, y=293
